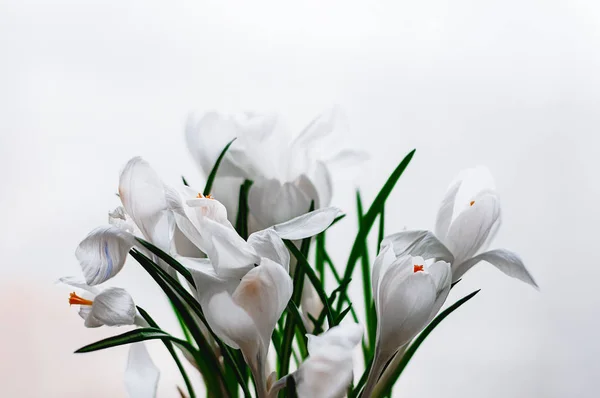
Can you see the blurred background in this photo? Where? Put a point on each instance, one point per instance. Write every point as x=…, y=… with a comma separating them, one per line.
x=514, y=85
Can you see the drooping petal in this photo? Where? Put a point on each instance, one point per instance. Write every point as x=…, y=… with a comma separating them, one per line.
x=264, y=293
x=103, y=252
x=147, y=201
x=471, y=229
x=271, y=202
x=323, y=184
x=80, y=284
x=506, y=261
x=141, y=375
x=418, y=243
x=268, y=244
x=114, y=307
x=308, y=224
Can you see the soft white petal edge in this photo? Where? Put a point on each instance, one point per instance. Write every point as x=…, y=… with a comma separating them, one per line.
x=308, y=224
x=141, y=374
x=418, y=243
x=506, y=261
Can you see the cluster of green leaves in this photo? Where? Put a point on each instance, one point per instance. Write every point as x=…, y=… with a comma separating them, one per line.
x=223, y=369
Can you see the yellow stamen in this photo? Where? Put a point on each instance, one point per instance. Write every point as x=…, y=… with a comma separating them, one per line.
x=472, y=203
x=200, y=196
x=75, y=299
x=418, y=268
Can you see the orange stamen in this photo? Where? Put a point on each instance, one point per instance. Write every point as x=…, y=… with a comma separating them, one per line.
x=472, y=203
x=200, y=196
x=75, y=299
x=418, y=268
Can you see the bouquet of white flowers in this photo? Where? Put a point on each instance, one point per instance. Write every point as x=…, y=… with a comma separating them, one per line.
x=244, y=264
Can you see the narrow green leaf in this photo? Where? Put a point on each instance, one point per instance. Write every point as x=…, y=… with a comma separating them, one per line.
x=381, y=228
x=171, y=350
x=184, y=181
x=310, y=273
x=320, y=256
x=213, y=172
x=300, y=329
x=241, y=223
x=366, y=278
x=290, y=387
x=369, y=219
x=386, y=387
x=343, y=314
x=134, y=336
x=176, y=265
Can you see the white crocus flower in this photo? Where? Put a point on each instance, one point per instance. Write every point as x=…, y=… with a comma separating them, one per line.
x=146, y=212
x=467, y=221
x=328, y=370
x=110, y=307
x=243, y=313
x=141, y=374
x=288, y=172
x=408, y=292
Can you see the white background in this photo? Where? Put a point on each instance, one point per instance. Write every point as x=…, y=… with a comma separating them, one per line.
x=510, y=84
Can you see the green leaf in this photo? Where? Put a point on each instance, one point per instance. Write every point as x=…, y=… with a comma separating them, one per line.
x=213, y=172
x=184, y=181
x=366, y=277
x=386, y=387
x=134, y=336
x=369, y=219
x=293, y=310
x=290, y=387
x=241, y=223
x=310, y=273
x=176, y=265
x=342, y=314
x=171, y=350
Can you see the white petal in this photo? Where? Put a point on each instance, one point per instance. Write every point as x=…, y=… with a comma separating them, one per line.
x=209, y=208
x=264, y=293
x=148, y=202
x=271, y=202
x=85, y=312
x=103, y=252
x=141, y=375
x=230, y=255
x=308, y=224
x=346, y=335
x=310, y=303
x=347, y=158
x=446, y=210
x=268, y=244
x=383, y=261
x=418, y=243
x=441, y=274
x=119, y=218
x=114, y=307
x=80, y=284
x=227, y=191
x=207, y=137
x=506, y=261
x=322, y=182
x=471, y=229
x=406, y=304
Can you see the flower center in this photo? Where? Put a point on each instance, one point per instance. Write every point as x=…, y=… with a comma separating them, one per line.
x=200, y=196
x=75, y=299
x=471, y=203
x=418, y=268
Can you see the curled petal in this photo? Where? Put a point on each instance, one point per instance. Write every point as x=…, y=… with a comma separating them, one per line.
x=113, y=307
x=264, y=293
x=103, y=252
x=80, y=284
x=308, y=224
x=268, y=244
x=346, y=336
x=506, y=261
x=418, y=243
x=141, y=375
